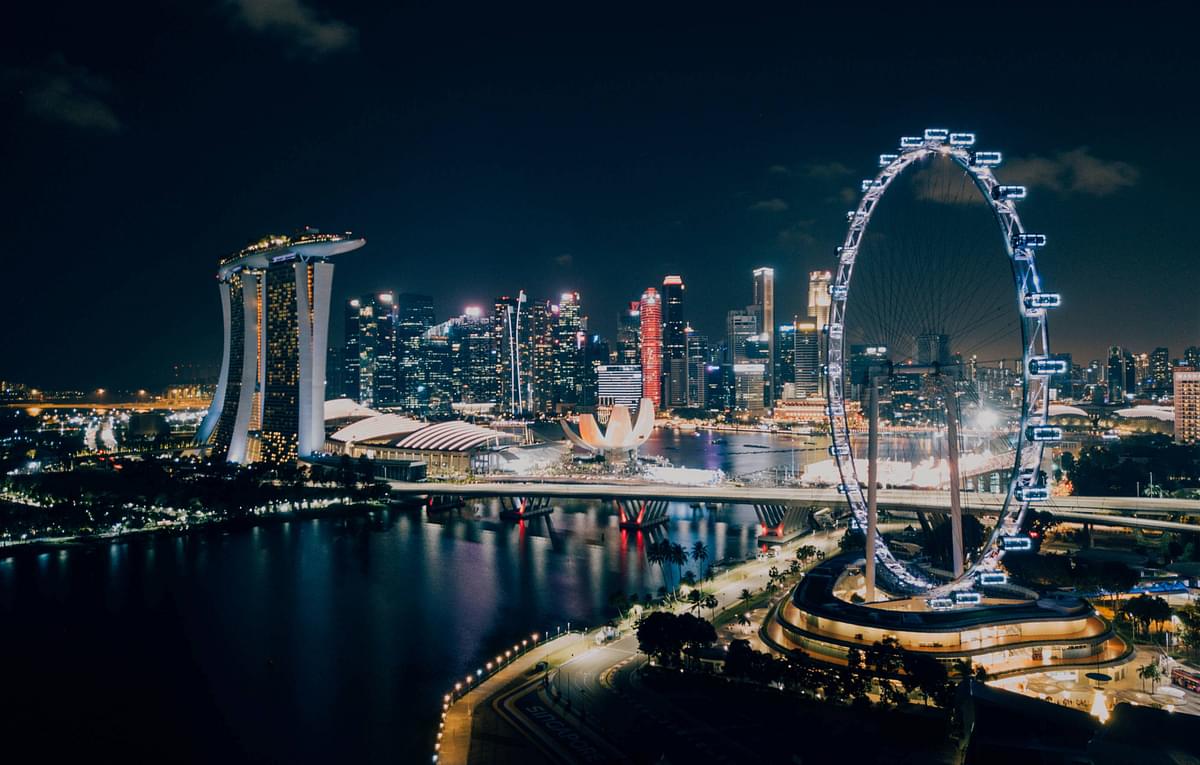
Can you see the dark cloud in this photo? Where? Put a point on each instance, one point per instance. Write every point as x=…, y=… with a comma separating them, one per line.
x=797, y=235
x=297, y=22
x=827, y=170
x=65, y=94
x=1076, y=171
x=779, y=170
x=564, y=260
x=769, y=205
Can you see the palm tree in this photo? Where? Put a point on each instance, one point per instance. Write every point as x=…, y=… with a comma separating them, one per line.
x=656, y=556
x=678, y=556
x=1152, y=673
x=746, y=596
x=743, y=620
x=711, y=603
x=700, y=555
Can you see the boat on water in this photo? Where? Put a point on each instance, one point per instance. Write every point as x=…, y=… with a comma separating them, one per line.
x=757, y=446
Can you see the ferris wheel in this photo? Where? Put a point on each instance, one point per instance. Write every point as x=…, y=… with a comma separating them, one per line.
x=1026, y=306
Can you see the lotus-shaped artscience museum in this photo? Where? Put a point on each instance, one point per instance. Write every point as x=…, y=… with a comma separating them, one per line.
x=620, y=437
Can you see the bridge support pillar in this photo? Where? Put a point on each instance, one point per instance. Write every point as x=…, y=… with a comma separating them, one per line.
x=638, y=514
x=780, y=524
x=521, y=508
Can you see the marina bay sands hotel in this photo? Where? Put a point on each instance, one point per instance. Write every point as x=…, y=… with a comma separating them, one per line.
x=270, y=397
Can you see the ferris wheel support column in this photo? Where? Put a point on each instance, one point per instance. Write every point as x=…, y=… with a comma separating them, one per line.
x=956, y=534
x=872, y=490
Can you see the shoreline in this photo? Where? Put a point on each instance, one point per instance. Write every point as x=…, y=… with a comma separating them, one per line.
x=36, y=547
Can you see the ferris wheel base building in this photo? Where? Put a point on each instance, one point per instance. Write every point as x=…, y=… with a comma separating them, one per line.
x=270, y=397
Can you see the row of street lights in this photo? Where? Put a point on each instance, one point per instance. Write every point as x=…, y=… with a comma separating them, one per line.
x=464, y=686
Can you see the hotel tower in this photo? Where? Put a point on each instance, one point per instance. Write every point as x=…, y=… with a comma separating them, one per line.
x=270, y=398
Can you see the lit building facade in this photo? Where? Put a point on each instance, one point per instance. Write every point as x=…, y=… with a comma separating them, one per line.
x=764, y=311
x=651, y=343
x=619, y=384
x=370, y=353
x=674, y=342
x=275, y=302
x=697, y=359
x=629, y=324
x=819, y=302
x=1187, y=405
x=806, y=358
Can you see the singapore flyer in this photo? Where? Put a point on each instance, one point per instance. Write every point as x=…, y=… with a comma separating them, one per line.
x=911, y=313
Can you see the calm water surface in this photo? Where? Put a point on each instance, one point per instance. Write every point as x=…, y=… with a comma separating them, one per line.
x=317, y=639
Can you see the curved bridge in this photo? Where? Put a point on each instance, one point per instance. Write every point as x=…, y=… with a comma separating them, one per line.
x=1103, y=511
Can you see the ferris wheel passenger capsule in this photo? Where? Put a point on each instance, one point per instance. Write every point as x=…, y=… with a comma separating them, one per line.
x=962, y=139
x=936, y=134
x=1009, y=192
x=1016, y=542
x=1036, y=302
x=1043, y=366
x=887, y=159
x=1043, y=433
x=839, y=450
x=1032, y=494
x=911, y=142
x=1028, y=240
x=987, y=158
x=838, y=291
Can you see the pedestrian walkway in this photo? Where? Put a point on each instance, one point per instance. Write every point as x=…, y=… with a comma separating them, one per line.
x=455, y=741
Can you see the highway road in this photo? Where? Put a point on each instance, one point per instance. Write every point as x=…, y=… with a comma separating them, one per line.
x=1111, y=511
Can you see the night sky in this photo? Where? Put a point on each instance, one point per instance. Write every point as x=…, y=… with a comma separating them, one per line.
x=559, y=148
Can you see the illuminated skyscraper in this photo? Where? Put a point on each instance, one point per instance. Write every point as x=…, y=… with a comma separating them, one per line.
x=270, y=396
x=371, y=350
x=807, y=359
x=1160, y=371
x=697, y=360
x=674, y=339
x=1187, y=405
x=740, y=325
x=628, y=332
x=650, y=318
x=819, y=302
x=414, y=317
x=764, y=310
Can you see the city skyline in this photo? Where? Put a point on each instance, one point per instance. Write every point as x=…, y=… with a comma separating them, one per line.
x=568, y=201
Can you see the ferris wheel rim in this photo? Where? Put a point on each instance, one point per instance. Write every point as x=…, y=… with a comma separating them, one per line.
x=1020, y=250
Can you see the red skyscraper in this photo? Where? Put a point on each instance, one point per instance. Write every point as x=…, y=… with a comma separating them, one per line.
x=652, y=343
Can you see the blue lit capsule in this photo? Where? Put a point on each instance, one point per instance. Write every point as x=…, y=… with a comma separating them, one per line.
x=987, y=578
x=936, y=134
x=1009, y=192
x=887, y=159
x=911, y=142
x=968, y=598
x=847, y=488
x=1016, y=543
x=1029, y=240
x=987, y=158
x=1042, y=366
x=1044, y=433
x=839, y=450
x=1032, y=494
x=1038, y=301
x=940, y=604
x=836, y=409
x=962, y=139
x=838, y=291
